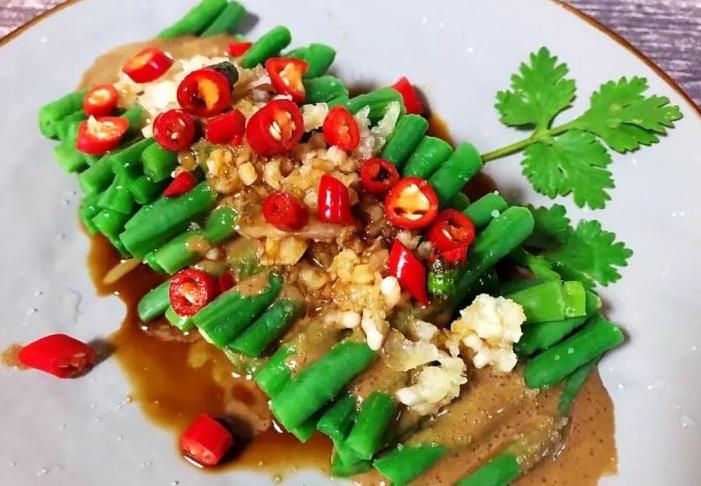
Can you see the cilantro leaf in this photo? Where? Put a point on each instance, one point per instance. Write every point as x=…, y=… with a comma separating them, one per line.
x=590, y=255
x=551, y=227
x=624, y=118
x=586, y=253
x=538, y=93
x=574, y=162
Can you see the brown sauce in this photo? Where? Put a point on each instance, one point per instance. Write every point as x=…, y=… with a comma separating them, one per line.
x=10, y=358
x=175, y=378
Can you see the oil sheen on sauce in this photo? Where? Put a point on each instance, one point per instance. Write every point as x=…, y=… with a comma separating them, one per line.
x=176, y=377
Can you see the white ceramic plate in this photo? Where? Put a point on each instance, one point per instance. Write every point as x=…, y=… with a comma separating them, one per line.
x=75, y=433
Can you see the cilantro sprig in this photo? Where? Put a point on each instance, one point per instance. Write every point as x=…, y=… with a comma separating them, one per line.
x=586, y=252
x=573, y=158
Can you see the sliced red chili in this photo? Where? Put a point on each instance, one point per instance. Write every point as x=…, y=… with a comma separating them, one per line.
x=275, y=128
x=333, y=201
x=409, y=270
x=378, y=176
x=148, y=65
x=451, y=229
x=411, y=203
x=100, y=100
x=190, y=290
x=341, y=129
x=456, y=255
x=237, y=49
x=181, y=184
x=286, y=76
x=205, y=92
x=285, y=211
x=412, y=103
x=226, y=281
x=174, y=130
x=206, y=441
x=228, y=127
x=58, y=355
x=97, y=136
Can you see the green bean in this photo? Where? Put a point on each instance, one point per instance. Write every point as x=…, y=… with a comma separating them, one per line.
x=63, y=126
x=178, y=254
x=573, y=385
x=68, y=158
x=500, y=471
x=305, y=431
x=117, y=198
x=406, y=136
x=87, y=211
x=374, y=419
x=537, y=264
x=52, y=113
x=338, y=419
x=244, y=258
x=485, y=209
x=275, y=374
x=498, y=239
x=98, y=177
x=542, y=335
x=378, y=100
x=297, y=52
x=227, y=21
x=318, y=57
x=110, y=223
x=134, y=116
x=324, y=89
x=459, y=202
x=427, y=158
x=442, y=277
x=166, y=218
x=555, y=363
x=228, y=315
x=319, y=382
x=158, y=163
x=551, y=300
x=454, y=173
x=143, y=189
x=338, y=101
x=196, y=20
x=154, y=303
x=127, y=160
x=184, y=323
x=341, y=469
x=267, y=46
x=267, y=328
x=153, y=264
x=406, y=463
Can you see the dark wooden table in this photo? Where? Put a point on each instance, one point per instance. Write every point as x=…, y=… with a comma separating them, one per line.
x=667, y=31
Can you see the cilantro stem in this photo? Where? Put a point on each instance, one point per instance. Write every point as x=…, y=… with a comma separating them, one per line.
x=536, y=136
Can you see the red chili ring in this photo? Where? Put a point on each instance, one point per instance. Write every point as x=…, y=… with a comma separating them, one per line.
x=286, y=76
x=285, y=211
x=148, y=65
x=378, y=176
x=205, y=92
x=174, y=130
x=411, y=204
x=100, y=100
x=341, y=129
x=59, y=355
x=190, y=290
x=275, y=128
x=97, y=136
x=228, y=127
